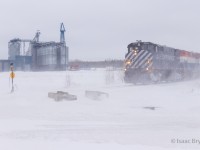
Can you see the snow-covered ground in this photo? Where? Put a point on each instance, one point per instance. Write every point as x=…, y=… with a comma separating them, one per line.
x=29, y=120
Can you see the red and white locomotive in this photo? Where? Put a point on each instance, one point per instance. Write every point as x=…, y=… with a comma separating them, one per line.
x=147, y=62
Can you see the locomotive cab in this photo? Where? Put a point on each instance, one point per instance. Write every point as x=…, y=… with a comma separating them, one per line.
x=138, y=61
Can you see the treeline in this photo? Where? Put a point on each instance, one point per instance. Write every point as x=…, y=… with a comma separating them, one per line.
x=96, y=64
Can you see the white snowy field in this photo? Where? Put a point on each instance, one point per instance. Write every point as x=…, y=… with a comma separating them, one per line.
x=29, y=120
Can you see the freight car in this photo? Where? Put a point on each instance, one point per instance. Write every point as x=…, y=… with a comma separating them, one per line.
x=146, y=62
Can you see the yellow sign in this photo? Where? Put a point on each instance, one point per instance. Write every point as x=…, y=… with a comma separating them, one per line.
x=12, y=75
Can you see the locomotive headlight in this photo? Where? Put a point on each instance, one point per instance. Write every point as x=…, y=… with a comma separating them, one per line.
x=128, y=62
x=147, y=68
x=135, y=51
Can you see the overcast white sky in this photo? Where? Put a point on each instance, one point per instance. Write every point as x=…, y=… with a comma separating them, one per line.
x=102, y=29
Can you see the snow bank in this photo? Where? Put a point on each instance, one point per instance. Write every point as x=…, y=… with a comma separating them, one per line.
x=124, y=120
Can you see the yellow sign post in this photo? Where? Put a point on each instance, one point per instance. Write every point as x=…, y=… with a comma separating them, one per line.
x=12, y=76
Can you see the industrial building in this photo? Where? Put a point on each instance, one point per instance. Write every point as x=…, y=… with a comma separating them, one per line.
x=49, y=56
x=5, y=65
x=39, y=56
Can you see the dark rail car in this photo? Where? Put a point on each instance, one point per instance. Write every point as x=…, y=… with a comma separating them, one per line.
x=148, y=62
